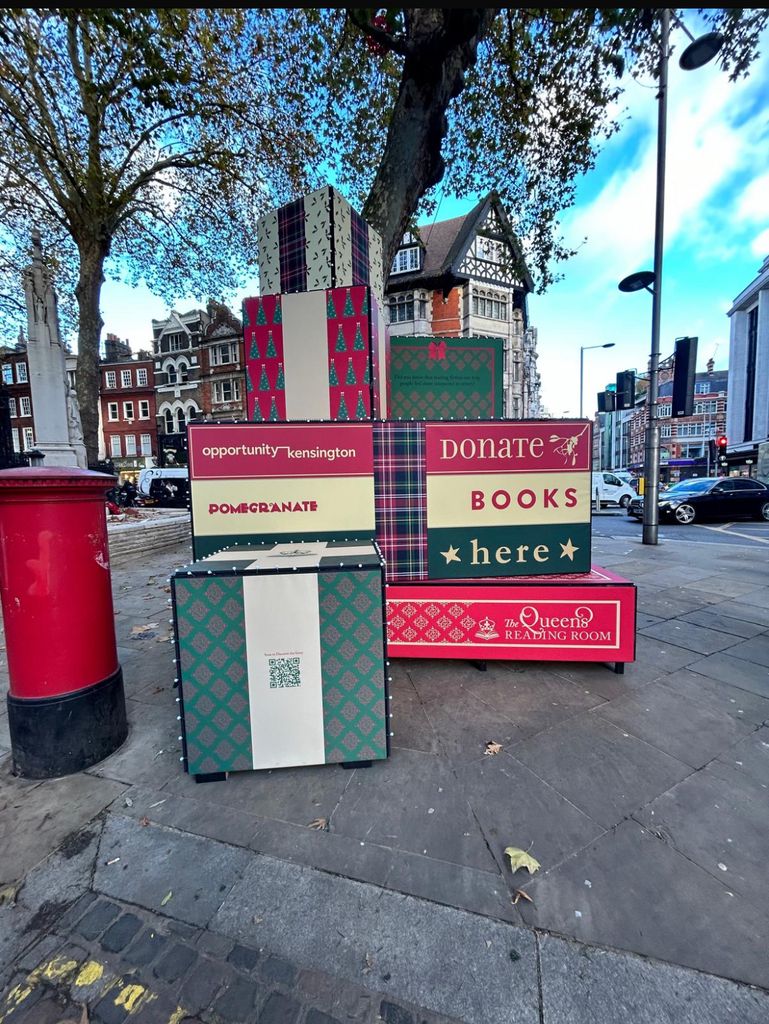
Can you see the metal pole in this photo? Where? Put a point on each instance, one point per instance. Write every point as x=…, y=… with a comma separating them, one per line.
x=581, y=376
x=652, y=452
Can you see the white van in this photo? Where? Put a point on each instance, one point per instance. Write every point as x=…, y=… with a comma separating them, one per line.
x=608, y=489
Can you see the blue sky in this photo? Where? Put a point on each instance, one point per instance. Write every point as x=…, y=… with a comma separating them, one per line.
x=716, y=235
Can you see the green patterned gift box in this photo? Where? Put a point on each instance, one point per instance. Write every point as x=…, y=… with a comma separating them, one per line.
x=281, y=656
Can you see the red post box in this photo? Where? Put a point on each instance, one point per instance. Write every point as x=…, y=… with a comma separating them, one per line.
x=66, y=706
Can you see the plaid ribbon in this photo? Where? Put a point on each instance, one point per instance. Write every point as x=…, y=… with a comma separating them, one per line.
x=291, y=247
x=360, y=257
x=400, y=496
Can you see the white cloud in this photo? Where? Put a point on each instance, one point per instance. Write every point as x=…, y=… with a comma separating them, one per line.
x=760, y=244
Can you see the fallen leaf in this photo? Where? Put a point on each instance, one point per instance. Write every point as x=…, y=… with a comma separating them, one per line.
x=147, y=630
x=166, y=590
x=368, y=962
x=8, y=894
x=521, y=859
x=521, y=895
x=144, y=821
x=166, y=898
x=129, y=802
x=319, y=824
x=493, y=748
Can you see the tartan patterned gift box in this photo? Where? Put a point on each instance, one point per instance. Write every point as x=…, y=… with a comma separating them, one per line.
x=434, y=378
x=281, y=656
x=317, y=355
x=318, y=241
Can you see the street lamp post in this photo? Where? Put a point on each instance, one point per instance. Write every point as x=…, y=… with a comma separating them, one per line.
x=697, y=53
x=582, y=350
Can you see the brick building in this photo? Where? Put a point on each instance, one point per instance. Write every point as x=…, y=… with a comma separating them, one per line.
x=221, y=365
x=15, y=377
x=465, y=277
x=128, y=409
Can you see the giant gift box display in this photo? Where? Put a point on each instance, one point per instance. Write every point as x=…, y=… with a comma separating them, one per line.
x=446, y=378
x=319, y=355
x=281, y=657
x=280, y=620
x=318, y=241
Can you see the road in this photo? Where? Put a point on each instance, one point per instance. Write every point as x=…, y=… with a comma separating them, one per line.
x=745, y=533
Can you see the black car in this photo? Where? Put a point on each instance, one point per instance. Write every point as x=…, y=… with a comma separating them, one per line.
x=719, y=497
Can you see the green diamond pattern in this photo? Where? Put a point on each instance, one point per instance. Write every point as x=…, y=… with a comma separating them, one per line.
x=442, y=403
x=352, y=665
x=214, y=675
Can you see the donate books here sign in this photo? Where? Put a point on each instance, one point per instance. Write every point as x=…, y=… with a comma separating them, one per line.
x=507, y=498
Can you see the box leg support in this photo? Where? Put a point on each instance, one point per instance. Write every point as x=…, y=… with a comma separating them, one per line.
x=211, y=777
x=355, y=764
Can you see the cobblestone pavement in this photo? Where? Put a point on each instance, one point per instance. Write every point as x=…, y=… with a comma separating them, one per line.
x=104, y=961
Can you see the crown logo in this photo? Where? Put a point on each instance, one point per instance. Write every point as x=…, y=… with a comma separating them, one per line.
x=486, y=629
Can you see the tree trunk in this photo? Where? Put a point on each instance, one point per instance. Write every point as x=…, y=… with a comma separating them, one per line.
x=88, y=294
x=442, y=44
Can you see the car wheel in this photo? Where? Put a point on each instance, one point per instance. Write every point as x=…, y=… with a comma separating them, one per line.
x=624, y=500
x=685, y=514
x=763, y=512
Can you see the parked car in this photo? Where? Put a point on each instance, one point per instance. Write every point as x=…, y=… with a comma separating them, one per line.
x=608, y=489
x=720, y=497
x=165, y=487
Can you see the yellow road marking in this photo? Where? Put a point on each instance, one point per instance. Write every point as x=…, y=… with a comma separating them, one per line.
x=90, y=972
x=179, y=1014
x=130, y=996
x=14, y=999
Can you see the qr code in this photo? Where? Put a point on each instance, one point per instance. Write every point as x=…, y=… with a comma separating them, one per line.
x=284, y=672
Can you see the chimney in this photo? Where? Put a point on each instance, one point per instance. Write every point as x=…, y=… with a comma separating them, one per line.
x=710, y=366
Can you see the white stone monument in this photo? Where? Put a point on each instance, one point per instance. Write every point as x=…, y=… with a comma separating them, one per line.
x=58, y=431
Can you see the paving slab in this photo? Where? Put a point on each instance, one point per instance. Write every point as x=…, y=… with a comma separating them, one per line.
x=603, y=770
x=514, y=807
x=727, y=585
x=463, y=725
x=687, y=729
x=710, y=818
x=150, y=755
x=155, y=861
x=745, y=675
x=631, y=891
x=602, y=986
x=412, y=729
x=427, y=952
x=750, y=757
x=720, y=619
x=755, y=650
x=298, y=795
x=746, y=611
x=692, y=637
x=656, y=657
x=718, y=696
x=41, y=816
x=413, y=802
x=671, y=601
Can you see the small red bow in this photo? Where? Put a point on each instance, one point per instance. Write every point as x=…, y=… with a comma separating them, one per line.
x=438, y=349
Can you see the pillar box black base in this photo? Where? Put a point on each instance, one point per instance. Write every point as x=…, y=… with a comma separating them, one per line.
x=53, y=736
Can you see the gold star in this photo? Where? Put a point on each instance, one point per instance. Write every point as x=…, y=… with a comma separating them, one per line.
x=452, y=555
x=568, y=550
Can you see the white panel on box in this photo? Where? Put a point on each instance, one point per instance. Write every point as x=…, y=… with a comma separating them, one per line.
x=282, y=624
x=318, y=240
x=305, y=356
x=342, y=239
x=269, y=253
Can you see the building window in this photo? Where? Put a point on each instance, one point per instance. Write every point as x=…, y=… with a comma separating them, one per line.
x=29, y=438
x=663, y=411
x=177, y=342
x=141, y=377
x=692, y=451
x=130, y=444
x=114, y=445
x=516, y=407
x=125, y=378
x=146, y=444
x=26, y=405
x=112, y=411
x=704, y=408
x=21, y=373
x=516, y=371
x=226, y=391
x=15, y=439
x=703, y=388
x=406, y=260
x=666, y=430
x=110, y=379
x=7, y=373
x=144, y=409
x=402, y=308
x=12, y=407
x=128, y=410
x=223, y=354
x=491, y=305
x=171, y=374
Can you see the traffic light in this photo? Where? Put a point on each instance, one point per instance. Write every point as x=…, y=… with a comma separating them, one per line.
x=626, y=389
x=606, y=401
x=721, y=442
x=685, y=363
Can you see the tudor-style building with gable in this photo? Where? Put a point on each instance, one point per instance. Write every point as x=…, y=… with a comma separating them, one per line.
x=466, y=277
x=221, y=365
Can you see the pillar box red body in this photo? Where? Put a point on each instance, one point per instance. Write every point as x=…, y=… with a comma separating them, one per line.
x=66, y=706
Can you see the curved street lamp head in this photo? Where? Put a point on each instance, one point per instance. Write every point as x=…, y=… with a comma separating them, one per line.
x=635, y=282
x=700, y=51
